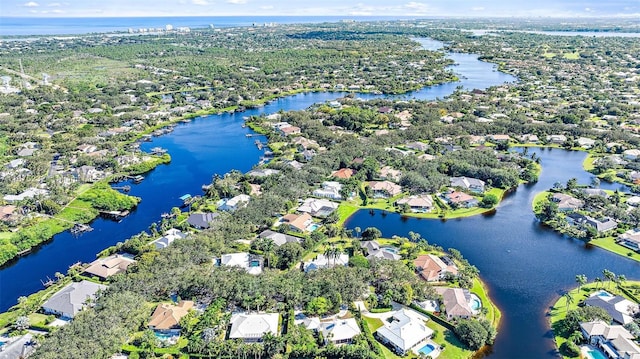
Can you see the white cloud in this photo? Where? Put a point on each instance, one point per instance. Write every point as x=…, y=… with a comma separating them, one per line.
x=31, y=4
x=587, y=9
x=54, y=4
x=200, y=2
x=477, y=8
x=417, y=6
x=237, y=2
x=58, y=11
x=266, y=7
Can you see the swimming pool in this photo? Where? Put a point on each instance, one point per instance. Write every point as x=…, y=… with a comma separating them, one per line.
x=595, y=354
x=475, y=303
x=393, y=250
x=427, y=349
x=163, y=336
x=603, y=293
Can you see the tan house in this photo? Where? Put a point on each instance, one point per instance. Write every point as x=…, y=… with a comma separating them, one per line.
x=298, y=222
x=112, y=265
x=166, y=317
x=7, y=213
x=431, y=268
x=456, y=302
x=384, y=189
x=343, y=173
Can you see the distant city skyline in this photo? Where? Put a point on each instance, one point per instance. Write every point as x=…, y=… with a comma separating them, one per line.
x=425, y=8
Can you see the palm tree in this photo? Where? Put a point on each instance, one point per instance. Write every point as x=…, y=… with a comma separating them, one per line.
x=331, y=253
x=569, y=298
x=582, y=280
x=621, y=279
x=267, y=247
x=597, y=281
x=608, y=275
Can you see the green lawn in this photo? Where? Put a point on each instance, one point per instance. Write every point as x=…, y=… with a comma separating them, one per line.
x=539, y=198
x=453, y=348
x=345, y=210
x=374, y=324
x=493, y=314
x=571, y=55
x=587, y=164
x=610, y=244
x=37, y=319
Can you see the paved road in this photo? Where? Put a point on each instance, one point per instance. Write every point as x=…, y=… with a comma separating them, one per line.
x=14, y=350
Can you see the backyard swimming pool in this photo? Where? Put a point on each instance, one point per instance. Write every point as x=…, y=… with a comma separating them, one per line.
x=475, y=303
x=427, y=349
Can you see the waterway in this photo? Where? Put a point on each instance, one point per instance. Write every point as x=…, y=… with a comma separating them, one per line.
x=525, y=264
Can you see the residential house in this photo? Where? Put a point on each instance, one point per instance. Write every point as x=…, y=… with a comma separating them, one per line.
x=343, y=173
x=88, y=174
x=168, y=238
x=460, y=199
x=262, y=172
x=585, y=142
x=18, y=162
x=108, y=266
x=384, y=189
x=417, y=146
x=8, y=213
x=633, y=201
x=418, y=203
x=251, y=328
x=426, y=157
x=614, y=340
x=279, y=238
x=566, y=202
x=318, y=207
x=557, y=139
x=595, y=192
x=456, y=302
x=28, y=193
x=619, y=308
x=312, y=323
x=433, y=268
x=404, y=331
x=166, y=318
x=308, y=155
x=249, y=262
x=580, y=220
x=631, y=155
x=202, y=220
x=289, y=130
x=71, y=299
x=529, y=138
x=305, y=143
x=468, y=184
x=330, y=189
x=389, y=173
x=374, y=251
x=630, y=239
x=298, y=222
x=340, y=331
x=86, y=148
x=233, y=204
x=499, y=138
x=322, y=261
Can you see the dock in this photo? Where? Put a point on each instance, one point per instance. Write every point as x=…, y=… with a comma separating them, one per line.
x=123, y=188
x=158, y=151
x=137, y=179
x=80, y=228
x=116, y=215
x=187, y=199
x=259, y=144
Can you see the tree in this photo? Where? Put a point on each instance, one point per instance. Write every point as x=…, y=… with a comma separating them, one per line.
x=581, y=279
x=371, y=233
x=489, y=200
x=569, y=300
x=471, y=333
x=609, y=275
x=571, y=184
x=359, y=261
x=319, y=306
x=22, y=323
x=288, y=254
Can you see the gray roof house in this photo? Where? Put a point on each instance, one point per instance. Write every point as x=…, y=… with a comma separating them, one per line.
x=601, y=226
x=470, y=184
x=619, y=308
x=375, y=251
x=279, y=238
x=71, y=299
x=566, y=202
x=202, y=220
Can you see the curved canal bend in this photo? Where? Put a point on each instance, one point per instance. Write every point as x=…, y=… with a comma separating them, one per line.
x=522, y=287
x=525, y=265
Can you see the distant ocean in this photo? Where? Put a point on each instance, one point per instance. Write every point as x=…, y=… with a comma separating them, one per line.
x=73, y=26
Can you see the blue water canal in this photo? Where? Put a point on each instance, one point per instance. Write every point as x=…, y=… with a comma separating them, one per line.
x=523, y=264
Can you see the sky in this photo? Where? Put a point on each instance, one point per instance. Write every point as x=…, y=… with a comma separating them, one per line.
x=420, y=8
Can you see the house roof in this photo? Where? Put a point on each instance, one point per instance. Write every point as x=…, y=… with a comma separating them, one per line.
x=430, y=267
x=321, y=261
x=72, y=298
x=385, y=186
x=566, y=201
x=455, y=301
x=202, y=220
x=466, y=182
x=243, y=260
x=251, y=326
x=340, y=329
x=458, y=197
x=318, y=207
x=405, y=330
x=279, y=238
x=344, y=173
x=605, y=330
x=420, y=201
x=106, y=267
x=168, y=238
x=619, y=308
x=298, y=221
x=375, y=251
x=167, y=316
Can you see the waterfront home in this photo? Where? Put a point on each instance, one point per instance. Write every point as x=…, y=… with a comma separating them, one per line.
x=202, y=220
x=384, y=189
x=619, y=308
x=298, y=222
x=422, y=203
x=262, y=172
x=460, y=199
x=614, y=340
x=104, y=268
x=375, y=251
x=433, y=268
x=557, y=139
x=456, y=302
x=404, y=331
x=71, y=299
x=233, y=204
x=251, y=328
x=169, y=237
x=166, y=317
x=343, y=173
x=321, y=261
x=8, y=213
x=318, y=207
x=388, y=173
x=566, y=202
x=289, y=130
x=28, y=193
x=631, y=155
x=330, y=189
x=468, y=184
x=279, y=238
x=529, y=138
x=630, y=239
x=633, y=201
x=339, y=331
x=582, y=221
x=251, y=263
x=595, y=192
x=585, y=142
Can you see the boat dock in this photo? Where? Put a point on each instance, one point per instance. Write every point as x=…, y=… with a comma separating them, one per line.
x=80, y=228
x=137, y=179
x=116, y=215
x=158, y=151
x=123, y=188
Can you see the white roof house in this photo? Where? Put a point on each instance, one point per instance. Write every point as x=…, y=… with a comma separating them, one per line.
x=234, y=203
x=252, y=327
x=330, y=189
x=322, y=261
x=168, y=238
x=71, y=299
x=318, y=207
x=340, y=331
x=251, y=263
x=28, y=193
x=406, y=330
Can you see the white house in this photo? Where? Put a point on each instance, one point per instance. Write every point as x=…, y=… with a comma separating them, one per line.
x=340, y=331
x=318, y=207
x=321, y=261
x=251, y=263
x=404, y=331
x=330, y=189
x=470, y=184
x=168, y=238
x=234, y=203
x=631, y=154
x=252, y=327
